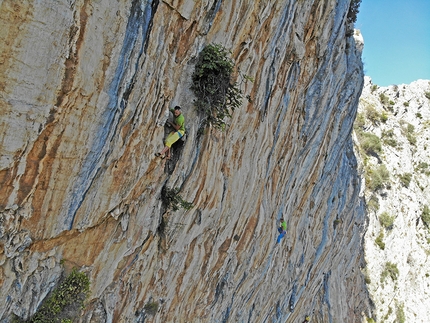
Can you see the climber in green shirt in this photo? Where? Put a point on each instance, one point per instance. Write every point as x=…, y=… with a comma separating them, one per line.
x=282, y=225
x=179, y=125
x=282, y=230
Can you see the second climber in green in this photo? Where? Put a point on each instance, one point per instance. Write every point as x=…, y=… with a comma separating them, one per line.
x=179, y=125
x=282, y=229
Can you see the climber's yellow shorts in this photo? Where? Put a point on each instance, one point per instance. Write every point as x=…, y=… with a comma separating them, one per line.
x=173, y=137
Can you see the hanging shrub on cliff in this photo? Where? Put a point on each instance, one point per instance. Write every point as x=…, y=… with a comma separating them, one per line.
x=217, y=95
x=353, y=10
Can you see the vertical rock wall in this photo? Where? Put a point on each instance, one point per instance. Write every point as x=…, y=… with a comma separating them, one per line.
x=85, y=87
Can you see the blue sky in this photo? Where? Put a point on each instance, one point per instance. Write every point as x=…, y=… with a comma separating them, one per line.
x=396, y=40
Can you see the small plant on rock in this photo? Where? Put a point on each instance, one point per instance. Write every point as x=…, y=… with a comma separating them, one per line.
x=151, y=308
x=423, y=168
x=390, y=311
x=372, y=114
x=172, y=199
x=390, y=270
x=384, y=99
x=370, y=143
x=405, y=179
x=373, y=203
x=380, y=240
x=409, y=132
x=377, y=178
x=386, y=220
x=388, y=138
x=425, y=215
x=360, y=122
x=400, y=314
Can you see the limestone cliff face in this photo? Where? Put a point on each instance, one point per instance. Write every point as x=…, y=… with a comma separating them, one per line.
x=85, y=86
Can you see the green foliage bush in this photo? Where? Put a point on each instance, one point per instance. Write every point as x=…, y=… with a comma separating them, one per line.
x=390, y=270
x=151, y=308
x=65, y=301
x=425, y=215
x=360, y=121
x=369, y=142
x=374, y=116
x=388, y=138
x=353, y=11
x=217, y=96
x=427, y=95
x=172, y=199
x=380, y=240
x=373, y=203
x=422, y=166
x=400, y=314
x=390, y=311
x=377, y=177
x=409, y=132
x=367, y=278
x=384, y=99
x=386, y=220
x=405, y=179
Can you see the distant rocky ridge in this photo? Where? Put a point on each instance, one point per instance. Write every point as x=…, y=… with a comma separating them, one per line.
x=395, y=164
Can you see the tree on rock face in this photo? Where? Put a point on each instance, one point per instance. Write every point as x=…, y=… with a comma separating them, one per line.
x=217, y=96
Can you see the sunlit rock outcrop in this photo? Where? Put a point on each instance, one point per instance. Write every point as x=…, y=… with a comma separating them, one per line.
x=85, y=90
x=397, y=180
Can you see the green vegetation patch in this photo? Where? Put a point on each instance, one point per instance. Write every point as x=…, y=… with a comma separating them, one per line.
x=377, y=177
x=384, y=99
x=172, y=200
x=65, y=302
x=217, y=96
x=375, y=116
x=369, y=142
x=405, y=179
x=409, y=132
x=373, y=203
x=353, y=11
x=380, y=240
x=151, y=308
x=390, y=270
x=423, y=167
x=400, y=313
x=388, y=138
x=425, y=215
x=360, y=121
x=386, y=220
